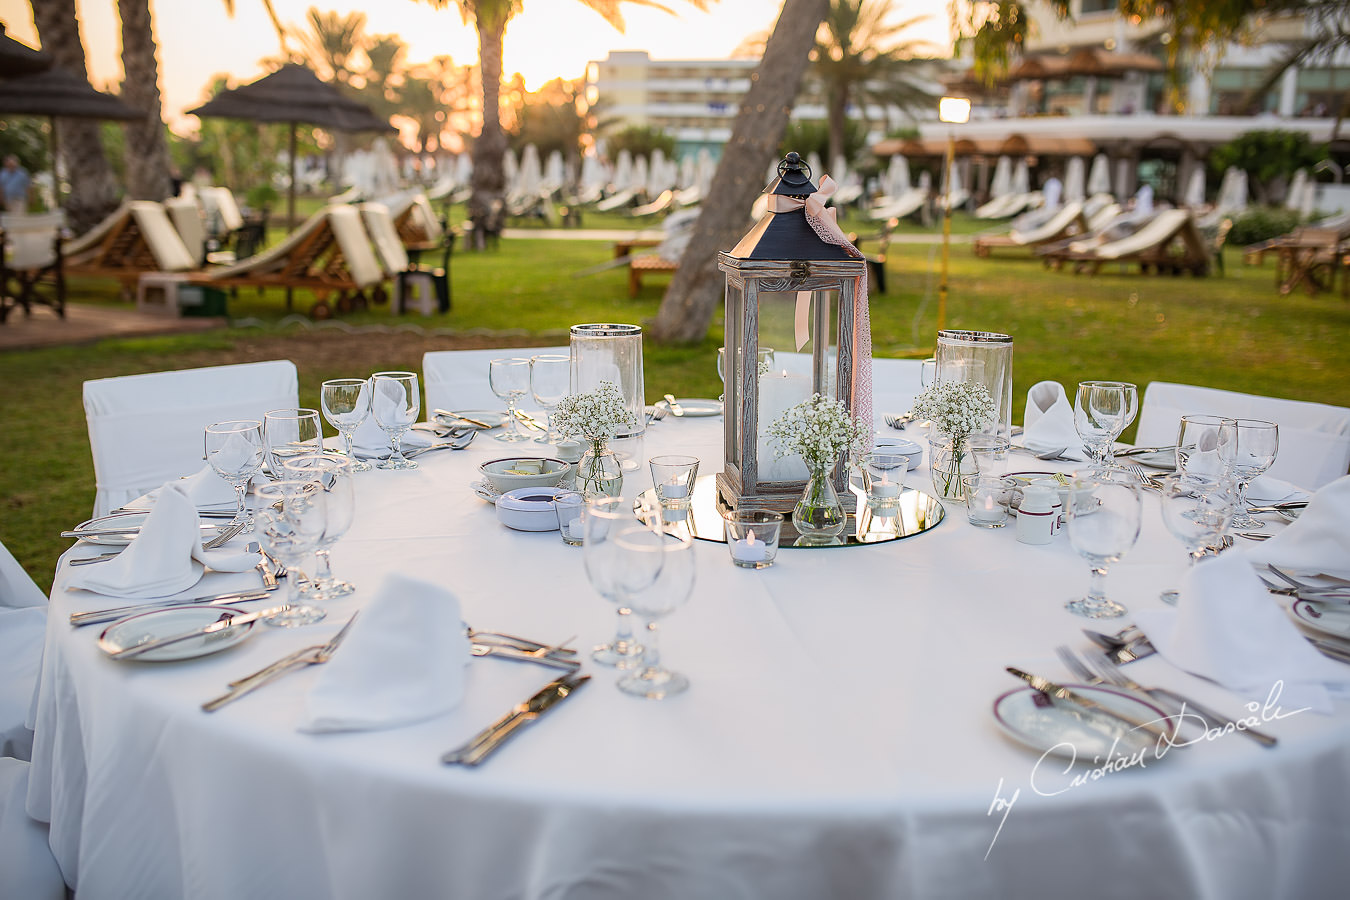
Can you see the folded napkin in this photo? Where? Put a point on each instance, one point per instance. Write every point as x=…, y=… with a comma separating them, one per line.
x=402, y=662
x=1229, y=629
x=165, y=558
x=1047, y=423
x=1265, y=489
x=370, y=439
x=1319, y=541
x=203, y=487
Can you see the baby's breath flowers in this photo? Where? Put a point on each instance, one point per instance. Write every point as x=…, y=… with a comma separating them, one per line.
x=958, y=409
x=818, y=430
x=594, y=416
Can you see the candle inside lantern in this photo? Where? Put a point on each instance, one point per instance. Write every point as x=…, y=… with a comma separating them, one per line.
x=747, y=549
x=779, y=392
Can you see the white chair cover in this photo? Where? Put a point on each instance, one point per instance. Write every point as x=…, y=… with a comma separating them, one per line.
x=28, y=871
x=1314, y=437
x=146, y=429
x=30, y=241
x=23, y=622
x=457, y=379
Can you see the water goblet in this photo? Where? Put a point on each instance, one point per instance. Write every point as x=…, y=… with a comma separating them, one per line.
x=234, y=450
x=670, y=590
x=1206, y=445
x=395, y=401
x=291, y=518
x=1103, y=520
x=333, y=475
x=603, y=519
x=1258, y=443
x=1197, y=510
x=288, y=433
x=1130, y=396
x=346, y=404
x=510, y=380
x=1099, y=410
x=550, y=380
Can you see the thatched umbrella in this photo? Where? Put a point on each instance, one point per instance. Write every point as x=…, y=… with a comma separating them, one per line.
x=292, y=94
x=20, y=59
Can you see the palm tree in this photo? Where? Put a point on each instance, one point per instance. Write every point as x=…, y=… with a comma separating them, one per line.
x=333, y=41
x=857, y=58
x=147, y=154
x=490, y=17
x=93, y=192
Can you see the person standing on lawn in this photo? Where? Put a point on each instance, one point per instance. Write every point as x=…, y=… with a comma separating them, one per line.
x=14, y=185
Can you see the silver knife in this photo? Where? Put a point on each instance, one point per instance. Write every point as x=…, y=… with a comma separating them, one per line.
x=676, y=409
x=1061, y=693
x=214, y=628
x=530, y=421
x=496, y=734
x=93, y=617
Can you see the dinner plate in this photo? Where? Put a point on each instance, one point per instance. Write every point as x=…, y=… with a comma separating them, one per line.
x=1028, y=717
x=695, y=407
x=493, y=418
x=1328, y=618
x=115, y=526
x=161, y=623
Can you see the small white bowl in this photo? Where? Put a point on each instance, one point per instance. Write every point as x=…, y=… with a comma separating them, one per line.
x=524, y=471
x=902, y=447
x=529, y=508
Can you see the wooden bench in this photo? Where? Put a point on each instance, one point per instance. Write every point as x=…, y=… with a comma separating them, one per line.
x=646, y=265
x=626, y=247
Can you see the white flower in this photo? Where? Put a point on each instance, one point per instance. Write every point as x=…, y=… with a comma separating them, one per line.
x=818, y=429
x=596, y=415
x=956, y=408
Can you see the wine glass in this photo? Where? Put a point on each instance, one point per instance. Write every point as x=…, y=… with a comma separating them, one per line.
x=674, y=582
x=1206, y=445
x=603, y=519
x=550, y=380
x=333, y=475
x=1099, y=410
x=234, y=450
x=395, y=401
x=1130, y=396
x=1197, y=510
x=291, y=518
x=1103, y=520
x=346, y=404
x=1258, y=443
x=510, y=380
x=288, y=433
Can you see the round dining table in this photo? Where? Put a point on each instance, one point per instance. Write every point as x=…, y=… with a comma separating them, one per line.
x=837, y=740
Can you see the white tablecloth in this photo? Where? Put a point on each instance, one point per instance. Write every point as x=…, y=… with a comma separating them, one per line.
x=837, y=739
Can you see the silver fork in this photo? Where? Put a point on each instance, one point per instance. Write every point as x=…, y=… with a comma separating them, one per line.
x=658, y=413
x=307, y=656
x=898, y=422
x=1109, y=671
x=1145, y=479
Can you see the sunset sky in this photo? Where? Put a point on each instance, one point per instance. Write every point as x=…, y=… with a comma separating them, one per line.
x=550, y=39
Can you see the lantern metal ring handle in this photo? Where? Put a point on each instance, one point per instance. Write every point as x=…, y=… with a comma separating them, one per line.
x=798, y=166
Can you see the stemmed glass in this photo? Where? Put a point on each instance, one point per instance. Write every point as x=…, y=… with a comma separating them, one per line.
x=1130, y=396
x=346, y=404
x=234, y=450
x=1258, y=442
x=550, y=380
x=333, y=475
x=1206, y=445
x=395, y=402
x=510, y=380
x=603, y=520
x=1099, y=410
x=1103, y=519
x=674, y=582
x=288, y=433
x=291, y=519
x=1197, y=510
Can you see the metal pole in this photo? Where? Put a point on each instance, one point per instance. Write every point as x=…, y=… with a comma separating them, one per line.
x=946, y=230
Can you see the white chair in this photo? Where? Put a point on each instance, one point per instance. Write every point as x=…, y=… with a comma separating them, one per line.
x=1314, y=437
x=28, y=871
x=457, y=379
x=23, y=624
x=146, y=429
x=31, y=266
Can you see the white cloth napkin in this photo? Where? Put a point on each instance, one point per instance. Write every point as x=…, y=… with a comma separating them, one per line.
x=402, y=662
x=1228, y=628
x=1265, y=489
x=1047, y=423
x=1319, y=542
x=165, y=558
x=386, y=404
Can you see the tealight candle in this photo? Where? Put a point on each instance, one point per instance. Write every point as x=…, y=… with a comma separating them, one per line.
x=885, y=489
x=747, y=549
x=752, y=537
x=674, y=490
x=983, y=496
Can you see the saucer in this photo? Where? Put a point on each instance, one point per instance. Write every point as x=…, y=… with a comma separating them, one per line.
x=125, y=633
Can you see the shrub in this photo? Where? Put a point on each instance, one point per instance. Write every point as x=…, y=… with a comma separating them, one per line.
x=1261, y=223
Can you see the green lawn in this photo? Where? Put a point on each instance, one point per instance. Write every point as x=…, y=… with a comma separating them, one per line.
x=1233, y=332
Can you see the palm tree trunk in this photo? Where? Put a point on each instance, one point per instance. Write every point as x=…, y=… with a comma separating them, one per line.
x=838, y=119
x=93, y=192
x=147, y=157
x=696, y=290
x=489, y=180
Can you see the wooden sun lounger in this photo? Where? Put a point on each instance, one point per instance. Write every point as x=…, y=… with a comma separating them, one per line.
x=136, y=238
x=1067, y=222
x=1169, y=244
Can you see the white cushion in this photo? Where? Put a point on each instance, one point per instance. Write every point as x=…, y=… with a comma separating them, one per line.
x=1314, y=437
x=146, y=429
x=1160, y=228
x=425, y=218
x=186, y=217
x=1051, y=229
x=170, y=254
x=457, y=379
x=28, y=871
x=219, y=201
x=354, y=243
x=380, y=225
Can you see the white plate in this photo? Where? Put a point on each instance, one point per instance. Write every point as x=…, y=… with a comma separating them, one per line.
x=901, y=446
x=1328, y=618
x=494, y=418
x=1027, y=717
x=127, y=632
x=1289, y=515
x=116, y=538
x=695, y=407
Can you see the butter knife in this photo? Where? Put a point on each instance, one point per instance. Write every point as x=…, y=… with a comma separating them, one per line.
x=457, y=417
x=530, y=421
x=1064, y=695
x=214, y=628
x=93, y=617
x=676, y=409
x=496, y=734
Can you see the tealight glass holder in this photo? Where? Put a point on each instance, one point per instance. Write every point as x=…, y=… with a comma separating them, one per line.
x=988, y=449
x=567, y=506
x=673, y=477
x=884, y=478
x=986, y=500
x=752, y=537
